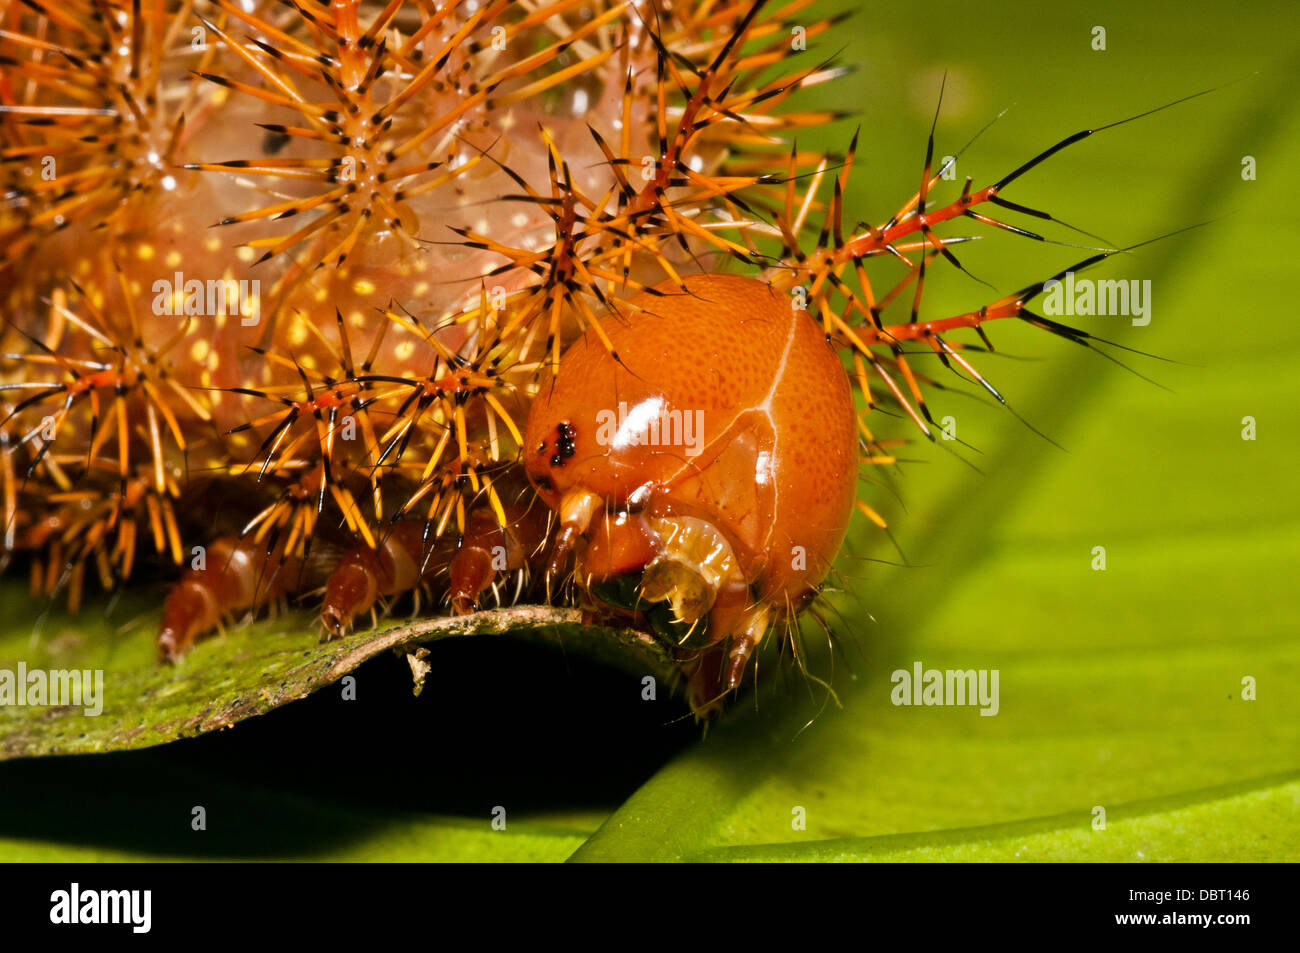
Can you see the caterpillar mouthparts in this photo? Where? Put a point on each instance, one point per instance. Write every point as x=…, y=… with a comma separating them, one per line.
x=438, y=295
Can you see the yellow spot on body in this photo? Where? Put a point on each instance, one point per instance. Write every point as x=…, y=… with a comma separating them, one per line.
x=404, y=350
x=173, y=259
x=144, y=251
x=199, y=350
x=212, y=244
x=363, y=286
x=308, y=362
x=205, y=378
x=321, y=294
x=83, y=266
x=214, y=360
x=297, y=334
x=245, y=254
x=422, y=288
x=357, y=319
x=221, y=321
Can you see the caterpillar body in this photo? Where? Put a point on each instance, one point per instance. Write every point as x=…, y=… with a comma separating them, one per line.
x=473, y=297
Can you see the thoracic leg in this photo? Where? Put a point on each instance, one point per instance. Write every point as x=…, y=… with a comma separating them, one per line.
x=404, y=560
x=234, y=575
x=489, y=548
x=399, y=564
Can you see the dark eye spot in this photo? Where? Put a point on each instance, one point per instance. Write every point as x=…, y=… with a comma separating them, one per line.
x=564, y=444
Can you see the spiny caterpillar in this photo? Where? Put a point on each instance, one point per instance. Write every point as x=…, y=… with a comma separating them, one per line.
x=465, y=297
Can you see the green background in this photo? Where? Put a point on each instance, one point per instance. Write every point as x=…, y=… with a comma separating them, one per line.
x=1120, y=689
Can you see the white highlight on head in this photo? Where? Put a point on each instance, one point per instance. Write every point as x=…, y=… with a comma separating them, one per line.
x=637, y=422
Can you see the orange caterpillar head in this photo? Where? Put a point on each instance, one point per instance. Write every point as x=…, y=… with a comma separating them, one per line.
x=705, y=471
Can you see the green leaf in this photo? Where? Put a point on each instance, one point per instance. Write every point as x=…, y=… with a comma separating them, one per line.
x=1227, y=823
x=245, y=672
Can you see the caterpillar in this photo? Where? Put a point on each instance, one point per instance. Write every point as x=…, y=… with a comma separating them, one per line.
x=461, y=298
